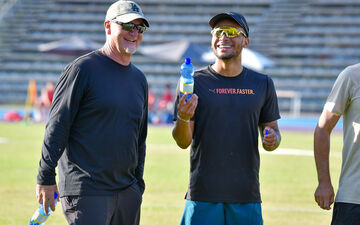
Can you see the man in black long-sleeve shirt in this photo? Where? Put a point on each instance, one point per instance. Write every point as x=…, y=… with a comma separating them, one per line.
x=97, y=129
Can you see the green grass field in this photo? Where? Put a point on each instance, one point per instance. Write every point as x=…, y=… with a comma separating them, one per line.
x=287, y=181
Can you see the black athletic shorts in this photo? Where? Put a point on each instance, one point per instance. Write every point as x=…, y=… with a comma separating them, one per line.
x=346, y=214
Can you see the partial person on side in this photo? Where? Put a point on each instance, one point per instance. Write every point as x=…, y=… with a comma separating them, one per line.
x=343, y=101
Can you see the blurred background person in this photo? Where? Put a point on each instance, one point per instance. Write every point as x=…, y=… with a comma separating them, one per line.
x=43, y=103
x=166, y=105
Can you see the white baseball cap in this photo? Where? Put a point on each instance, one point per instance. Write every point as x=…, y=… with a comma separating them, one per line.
x=125, y=11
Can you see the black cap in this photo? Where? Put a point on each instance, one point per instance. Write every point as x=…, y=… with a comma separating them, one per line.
x=237, y=17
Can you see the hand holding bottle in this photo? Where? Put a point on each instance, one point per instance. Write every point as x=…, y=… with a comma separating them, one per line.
x=42, y=213
x=186, y=108
x=45, y=196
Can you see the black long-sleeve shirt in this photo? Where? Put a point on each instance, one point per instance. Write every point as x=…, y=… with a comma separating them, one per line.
x=97, y=128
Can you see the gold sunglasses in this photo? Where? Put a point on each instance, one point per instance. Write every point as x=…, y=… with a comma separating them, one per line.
x=230, y=32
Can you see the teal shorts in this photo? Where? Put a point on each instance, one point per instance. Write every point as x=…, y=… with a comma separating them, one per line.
x=219, y=213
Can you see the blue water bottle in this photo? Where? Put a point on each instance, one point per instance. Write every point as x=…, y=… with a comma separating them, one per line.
x=186, y=78
x=39, y=216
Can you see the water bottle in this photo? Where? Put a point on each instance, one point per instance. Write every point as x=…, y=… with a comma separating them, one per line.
x=186, y=79
x=39, y=216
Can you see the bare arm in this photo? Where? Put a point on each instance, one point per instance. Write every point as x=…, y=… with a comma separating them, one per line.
x=270, y=135
x=324, y=194
x=183, y=130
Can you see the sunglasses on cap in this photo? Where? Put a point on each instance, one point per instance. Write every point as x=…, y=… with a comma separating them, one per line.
x=130, y=26
x=230, y=32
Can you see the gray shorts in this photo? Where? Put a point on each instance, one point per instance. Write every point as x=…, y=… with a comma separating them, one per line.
x=122, y=208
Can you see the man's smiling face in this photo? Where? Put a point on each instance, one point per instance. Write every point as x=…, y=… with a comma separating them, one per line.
x=224, y=47
x=126, y=42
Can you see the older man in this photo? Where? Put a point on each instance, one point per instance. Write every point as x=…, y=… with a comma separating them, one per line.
x=97, y=129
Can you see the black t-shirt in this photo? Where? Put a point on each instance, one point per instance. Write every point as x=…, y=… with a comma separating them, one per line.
x=224, y=153
x=97, y=128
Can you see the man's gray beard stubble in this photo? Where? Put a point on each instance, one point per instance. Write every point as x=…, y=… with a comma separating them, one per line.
x=130, y=50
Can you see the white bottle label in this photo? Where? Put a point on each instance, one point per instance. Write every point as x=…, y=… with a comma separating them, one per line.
x=37, y=217
x=186, y=88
